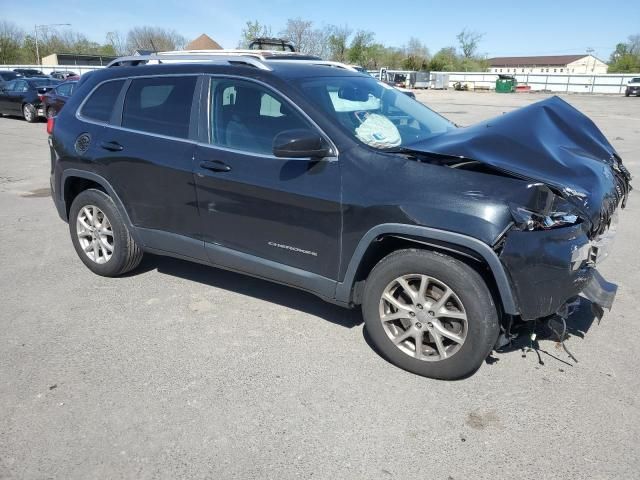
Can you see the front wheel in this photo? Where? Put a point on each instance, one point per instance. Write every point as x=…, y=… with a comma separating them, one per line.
x=29, y=113
x=100, y=236
x=430, y=314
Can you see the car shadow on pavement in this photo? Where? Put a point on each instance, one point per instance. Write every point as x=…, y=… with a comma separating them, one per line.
x=548, y=332
x=254, y=287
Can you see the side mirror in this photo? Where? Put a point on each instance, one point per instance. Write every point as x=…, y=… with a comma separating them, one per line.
x=300, y=143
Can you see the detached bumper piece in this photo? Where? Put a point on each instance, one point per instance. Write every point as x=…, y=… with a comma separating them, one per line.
x=599, y=291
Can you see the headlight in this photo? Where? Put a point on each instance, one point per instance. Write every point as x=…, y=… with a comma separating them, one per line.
x=528, y=220
x=545, y=211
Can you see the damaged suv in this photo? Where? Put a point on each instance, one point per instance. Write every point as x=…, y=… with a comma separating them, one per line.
x=324, y=179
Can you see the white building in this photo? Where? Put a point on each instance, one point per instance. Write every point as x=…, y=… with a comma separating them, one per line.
x=572, y=64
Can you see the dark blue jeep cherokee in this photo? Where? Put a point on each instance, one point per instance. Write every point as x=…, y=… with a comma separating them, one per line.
x=310, y=174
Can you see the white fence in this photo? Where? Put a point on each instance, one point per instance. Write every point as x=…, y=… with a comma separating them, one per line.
x=613, y=83
x=79, y=69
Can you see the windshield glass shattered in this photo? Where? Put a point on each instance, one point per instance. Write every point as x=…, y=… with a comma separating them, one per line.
x=373, y=112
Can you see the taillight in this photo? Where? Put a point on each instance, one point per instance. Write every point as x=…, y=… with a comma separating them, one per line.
x=50, y=122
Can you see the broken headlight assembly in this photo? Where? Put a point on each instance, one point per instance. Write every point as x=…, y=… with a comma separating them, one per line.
x=544, y=211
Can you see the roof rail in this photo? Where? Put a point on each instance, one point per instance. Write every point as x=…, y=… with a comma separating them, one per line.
x=327, y=63
x=175, y=57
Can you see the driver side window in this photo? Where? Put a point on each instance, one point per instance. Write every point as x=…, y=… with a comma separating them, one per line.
x=246, y=116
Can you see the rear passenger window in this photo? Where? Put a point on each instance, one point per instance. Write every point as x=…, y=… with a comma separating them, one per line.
x=101, y=102
x=160, y=105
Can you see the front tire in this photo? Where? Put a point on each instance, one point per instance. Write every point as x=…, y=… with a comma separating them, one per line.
x=29, y=113
x=100, y=236
x=430, y=314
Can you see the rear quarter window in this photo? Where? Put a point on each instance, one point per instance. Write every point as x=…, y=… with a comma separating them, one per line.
x=100, y=103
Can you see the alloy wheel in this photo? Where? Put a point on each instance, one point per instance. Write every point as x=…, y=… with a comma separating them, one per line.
x=95, y=234
x=423, y=317
x=28, y=112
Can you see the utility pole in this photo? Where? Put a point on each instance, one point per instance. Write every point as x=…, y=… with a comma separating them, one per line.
x=35, y=29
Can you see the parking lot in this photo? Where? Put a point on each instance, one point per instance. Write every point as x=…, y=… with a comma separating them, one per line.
x=183, y=371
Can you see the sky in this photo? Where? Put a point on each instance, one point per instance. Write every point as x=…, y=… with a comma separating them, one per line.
x=539, y=27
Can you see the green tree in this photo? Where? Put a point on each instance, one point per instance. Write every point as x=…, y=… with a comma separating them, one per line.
x=445, y=60
x=360, y=50
x=626, y=57
x=251, y=31
x=338, y=38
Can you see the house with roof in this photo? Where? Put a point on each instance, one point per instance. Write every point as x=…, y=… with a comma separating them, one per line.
x=572, y=64
x=203, y=42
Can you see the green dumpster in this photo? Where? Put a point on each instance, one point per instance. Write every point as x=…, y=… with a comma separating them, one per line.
x=506, y=84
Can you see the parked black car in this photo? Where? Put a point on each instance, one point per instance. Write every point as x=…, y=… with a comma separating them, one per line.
x=54, y=99
x=329, y=181
x=23, y=96
x=6, y=75
x=62, y=74
x=30, y=72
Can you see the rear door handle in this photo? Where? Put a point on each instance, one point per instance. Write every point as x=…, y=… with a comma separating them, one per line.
x=215, y=166
x=112, y=146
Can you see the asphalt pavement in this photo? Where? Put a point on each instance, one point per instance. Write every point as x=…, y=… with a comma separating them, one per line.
x=183, y=371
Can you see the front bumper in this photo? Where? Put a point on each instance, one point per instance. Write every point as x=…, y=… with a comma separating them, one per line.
x=547, y=268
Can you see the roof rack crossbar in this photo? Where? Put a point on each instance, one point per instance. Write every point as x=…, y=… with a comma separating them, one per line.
x=224, y=58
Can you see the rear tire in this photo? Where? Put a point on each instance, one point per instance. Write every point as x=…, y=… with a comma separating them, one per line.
x=455, y=336
x=29, y=113
x=100, y=236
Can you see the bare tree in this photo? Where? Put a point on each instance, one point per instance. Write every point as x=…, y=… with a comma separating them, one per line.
x=117, y=43
x=11, y=38
x=156, y=39
x=469, y=41
x=251, y=31
x=337, y=42
x=305, y=38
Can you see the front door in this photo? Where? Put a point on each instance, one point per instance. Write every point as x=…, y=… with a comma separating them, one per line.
x=281, y=210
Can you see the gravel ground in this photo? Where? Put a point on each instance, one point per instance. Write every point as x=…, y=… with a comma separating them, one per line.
x=184, y=371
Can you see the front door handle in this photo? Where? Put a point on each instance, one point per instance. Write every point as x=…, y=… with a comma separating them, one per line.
x=112, y=146
x=215, y=166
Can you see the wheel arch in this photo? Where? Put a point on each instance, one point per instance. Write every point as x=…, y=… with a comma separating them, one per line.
x=75, y=181
x=384, y=239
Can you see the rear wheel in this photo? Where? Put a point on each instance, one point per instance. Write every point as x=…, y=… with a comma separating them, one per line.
x=100, y=236
x=29, y=113
x=430, y=314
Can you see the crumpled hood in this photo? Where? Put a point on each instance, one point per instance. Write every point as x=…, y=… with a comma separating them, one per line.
x=549, y=142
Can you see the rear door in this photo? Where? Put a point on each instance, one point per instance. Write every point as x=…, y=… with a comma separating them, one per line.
x=280, y=210
x=149, y=151
x=60, y=95
x=16, y=95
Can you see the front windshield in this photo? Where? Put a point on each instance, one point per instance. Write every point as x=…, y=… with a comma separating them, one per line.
x=373, y=112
